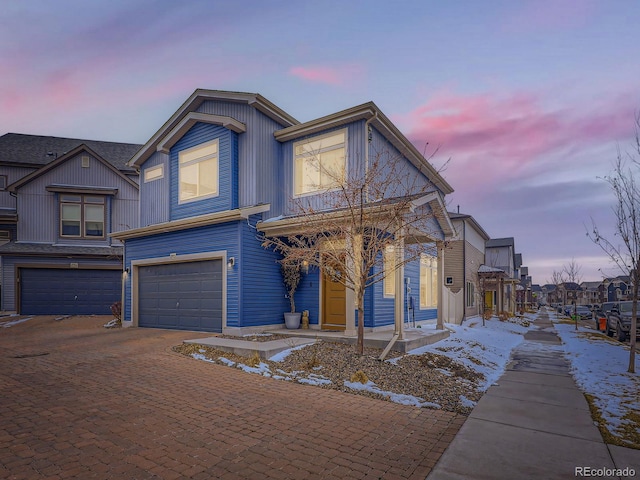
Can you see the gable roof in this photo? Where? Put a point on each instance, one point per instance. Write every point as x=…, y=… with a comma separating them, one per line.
x=370, y=112
x=50, y=166
x=474, y=223
x=197, y=98
x=36, y=150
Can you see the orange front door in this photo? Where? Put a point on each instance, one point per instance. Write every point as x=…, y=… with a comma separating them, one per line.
x=334, y=303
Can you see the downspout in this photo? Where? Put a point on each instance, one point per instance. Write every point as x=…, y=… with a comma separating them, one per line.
x=464, y=270
x=124, y=281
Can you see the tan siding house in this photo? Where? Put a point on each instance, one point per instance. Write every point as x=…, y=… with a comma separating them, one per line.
x=463, y=258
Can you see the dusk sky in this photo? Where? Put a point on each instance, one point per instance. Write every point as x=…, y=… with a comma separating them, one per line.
x=528, y=99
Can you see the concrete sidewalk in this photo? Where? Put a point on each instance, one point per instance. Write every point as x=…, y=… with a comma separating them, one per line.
x=534, y=423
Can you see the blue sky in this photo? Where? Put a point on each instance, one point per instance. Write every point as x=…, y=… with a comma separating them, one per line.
x=528, y=99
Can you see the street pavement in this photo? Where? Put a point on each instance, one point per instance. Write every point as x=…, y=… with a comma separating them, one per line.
x=533, y=424
x=80, y=401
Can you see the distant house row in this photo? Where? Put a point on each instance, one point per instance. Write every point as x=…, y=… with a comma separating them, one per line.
x=171, y=228
x=613, y=289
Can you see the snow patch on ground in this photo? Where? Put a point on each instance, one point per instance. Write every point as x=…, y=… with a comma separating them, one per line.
x=599, y=367
x=483, y=349
x=394, y=397
x=14, y=322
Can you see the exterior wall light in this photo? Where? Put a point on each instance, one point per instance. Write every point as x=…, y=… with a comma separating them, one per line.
x=231, y=262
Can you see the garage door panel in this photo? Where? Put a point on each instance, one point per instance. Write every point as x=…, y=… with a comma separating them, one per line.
x=185, y=295
x=53, y=291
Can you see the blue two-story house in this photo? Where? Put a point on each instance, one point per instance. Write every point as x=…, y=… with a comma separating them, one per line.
x=60, y=200
x=221, y=172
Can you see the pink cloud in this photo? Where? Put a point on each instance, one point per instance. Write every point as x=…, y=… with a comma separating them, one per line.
x=325, y=74
x=493, y=140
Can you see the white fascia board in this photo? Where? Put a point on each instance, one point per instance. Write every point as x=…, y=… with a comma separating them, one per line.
x=192, y=222
x=190, y=120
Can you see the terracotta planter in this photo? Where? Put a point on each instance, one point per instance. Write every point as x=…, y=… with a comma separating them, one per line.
x=292, y=320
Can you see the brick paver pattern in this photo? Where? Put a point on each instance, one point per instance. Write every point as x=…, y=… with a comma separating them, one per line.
x=81, y=401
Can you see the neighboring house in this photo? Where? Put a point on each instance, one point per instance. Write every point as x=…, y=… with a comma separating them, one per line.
x=61, y=199
x=526, y=300
x=463, y=258
x=224, y=168
x=500, y=254
x=569, y=292
x=589, y=293
x=617, y=289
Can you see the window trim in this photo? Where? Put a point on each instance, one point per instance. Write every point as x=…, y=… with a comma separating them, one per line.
x=152, y=171
x=470, y=301
x=389, y=280
x=83, y=203
x=4, y=182
x=432, y=281
x=196, y=162
x=343, y=131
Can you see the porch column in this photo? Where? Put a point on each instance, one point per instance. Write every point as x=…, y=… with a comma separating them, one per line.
x=440, y=267
x=350, y=314
x=399, y=278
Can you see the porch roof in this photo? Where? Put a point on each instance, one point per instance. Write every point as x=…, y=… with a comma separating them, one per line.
x=290, y=225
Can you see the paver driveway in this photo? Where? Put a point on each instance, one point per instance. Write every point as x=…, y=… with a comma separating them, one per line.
x=80, y=401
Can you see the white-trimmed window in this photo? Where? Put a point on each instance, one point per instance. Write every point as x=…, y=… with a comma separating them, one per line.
x=320, y=162
x=3, y=182
x=428, y=281
x=389, y=265
x=82, y=216
x=471, y=294
x=153, y=173
x=198, y=172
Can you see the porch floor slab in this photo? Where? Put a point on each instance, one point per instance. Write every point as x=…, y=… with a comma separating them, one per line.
x=413, y=338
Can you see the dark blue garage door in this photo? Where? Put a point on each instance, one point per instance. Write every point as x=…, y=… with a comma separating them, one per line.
x=53, y=291
x=182, y=296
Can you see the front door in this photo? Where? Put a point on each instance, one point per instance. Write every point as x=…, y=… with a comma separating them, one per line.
x=334, y=301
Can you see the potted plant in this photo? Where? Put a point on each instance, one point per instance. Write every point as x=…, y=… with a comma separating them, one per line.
x=291, y=275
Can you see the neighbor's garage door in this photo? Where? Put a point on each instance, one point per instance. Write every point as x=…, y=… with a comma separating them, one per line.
x=53, y=291
x=182, y=296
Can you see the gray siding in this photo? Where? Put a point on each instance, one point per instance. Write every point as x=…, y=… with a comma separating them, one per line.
x=38, y=209
x=13, y=174
x=474, y=258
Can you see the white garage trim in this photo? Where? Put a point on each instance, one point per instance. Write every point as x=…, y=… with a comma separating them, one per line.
x=192, y=257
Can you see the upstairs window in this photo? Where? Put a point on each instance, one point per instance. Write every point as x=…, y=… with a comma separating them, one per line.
x=82, y=216
x=198, y=172
x=319, y=163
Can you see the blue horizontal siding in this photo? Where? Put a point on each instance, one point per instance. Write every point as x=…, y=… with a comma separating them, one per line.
x=308, y=294
x=262, y=299
x=227, y=197
x=196, y=240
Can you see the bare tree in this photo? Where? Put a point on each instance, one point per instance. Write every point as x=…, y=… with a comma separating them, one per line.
x=364, y=223
x=623, y=248
x=573, y=272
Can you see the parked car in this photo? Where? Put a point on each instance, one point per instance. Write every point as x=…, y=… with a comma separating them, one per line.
x=619, y=321
x=583, y=312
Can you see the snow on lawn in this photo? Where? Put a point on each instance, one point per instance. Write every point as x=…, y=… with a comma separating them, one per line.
x=599, y=366
x=483, y=349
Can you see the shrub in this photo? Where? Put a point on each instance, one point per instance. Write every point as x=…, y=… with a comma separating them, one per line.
x=359, y=376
